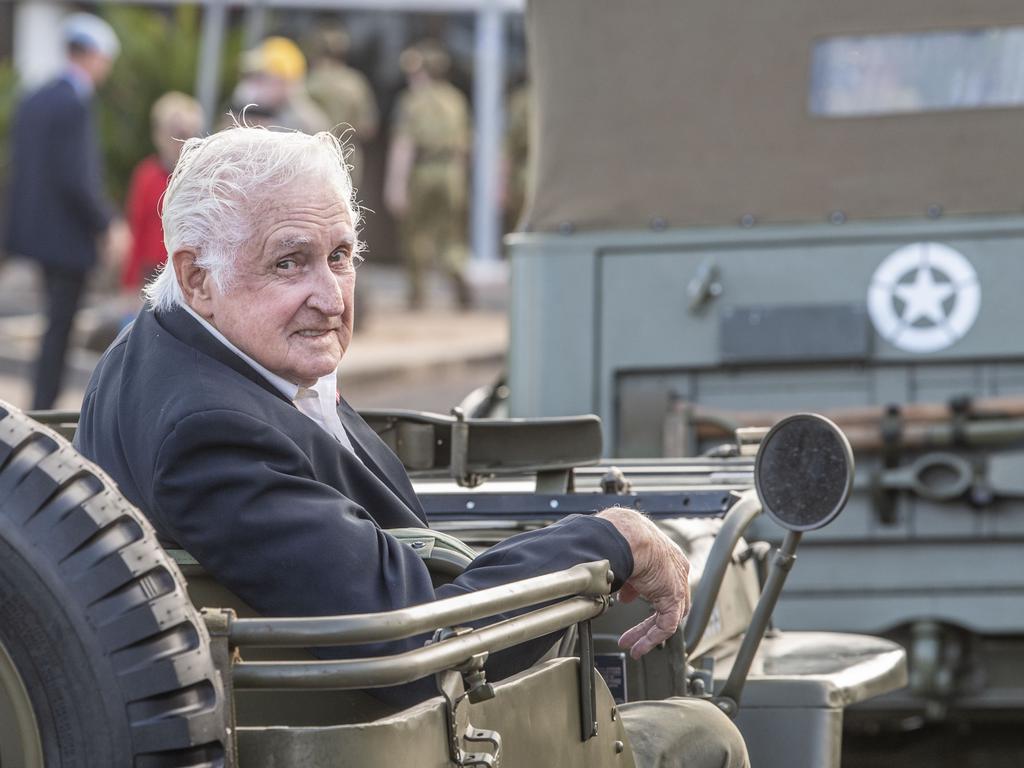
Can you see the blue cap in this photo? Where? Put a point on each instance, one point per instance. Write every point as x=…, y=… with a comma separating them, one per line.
x=91, y=32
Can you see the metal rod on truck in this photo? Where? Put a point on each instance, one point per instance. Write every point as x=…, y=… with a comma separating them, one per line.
x=728, y=698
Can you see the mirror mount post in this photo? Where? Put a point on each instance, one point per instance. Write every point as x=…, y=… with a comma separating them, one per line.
x=782, y=563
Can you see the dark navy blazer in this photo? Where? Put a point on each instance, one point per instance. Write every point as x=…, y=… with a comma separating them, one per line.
x=56, y=204
x=270, y=503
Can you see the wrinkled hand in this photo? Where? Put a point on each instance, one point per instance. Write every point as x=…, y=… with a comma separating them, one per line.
x=661, y=575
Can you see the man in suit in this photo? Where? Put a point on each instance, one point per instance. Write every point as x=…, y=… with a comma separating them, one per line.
x=57, y=206
x=217, y=414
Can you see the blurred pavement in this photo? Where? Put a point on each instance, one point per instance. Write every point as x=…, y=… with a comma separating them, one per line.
x=425, y=360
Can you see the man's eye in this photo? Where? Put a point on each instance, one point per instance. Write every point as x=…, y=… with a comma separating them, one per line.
x=286, y=264
x=344, y=260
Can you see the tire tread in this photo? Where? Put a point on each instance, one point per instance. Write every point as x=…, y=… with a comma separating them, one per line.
x=67, y=515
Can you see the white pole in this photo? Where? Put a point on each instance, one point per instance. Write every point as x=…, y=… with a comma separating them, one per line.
x=38, y=52
x=215, y=17
x=255, y=24
x=489, y=103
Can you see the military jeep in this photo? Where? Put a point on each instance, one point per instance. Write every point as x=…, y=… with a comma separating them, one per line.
x=116, y=652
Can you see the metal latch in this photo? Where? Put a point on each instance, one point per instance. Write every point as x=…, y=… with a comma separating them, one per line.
x=704, y=286
x=467, y=682
x=701, y=679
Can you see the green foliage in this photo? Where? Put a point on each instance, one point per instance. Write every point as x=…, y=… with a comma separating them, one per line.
x=159, y=53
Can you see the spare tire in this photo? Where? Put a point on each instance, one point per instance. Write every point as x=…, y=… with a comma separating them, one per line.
x=103, y=659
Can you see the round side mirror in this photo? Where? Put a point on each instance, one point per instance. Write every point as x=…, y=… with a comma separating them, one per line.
x=804, y=472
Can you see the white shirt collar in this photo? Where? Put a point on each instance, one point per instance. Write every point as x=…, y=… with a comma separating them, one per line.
x=319, y=402
x=282, y=385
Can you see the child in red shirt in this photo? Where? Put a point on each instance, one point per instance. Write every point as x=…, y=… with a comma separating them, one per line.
x=175, y=117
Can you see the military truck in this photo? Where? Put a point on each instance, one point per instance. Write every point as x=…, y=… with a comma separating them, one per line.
x=105, y=660
x=739, y=210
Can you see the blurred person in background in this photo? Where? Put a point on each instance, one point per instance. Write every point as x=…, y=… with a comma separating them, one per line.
x=426, y=183
x=274, y=83
x=174, y=117
x=345, y=96
x=515, y=169
x=57, y=208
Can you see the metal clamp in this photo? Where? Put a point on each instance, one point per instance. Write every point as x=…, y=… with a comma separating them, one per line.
x=960, y=414
x=934, y=476
x=704, y=286
x=615, y=482
x=700, y=681
x=460, y=452
x=451, y=686
x=891, y=430
x=218, y=623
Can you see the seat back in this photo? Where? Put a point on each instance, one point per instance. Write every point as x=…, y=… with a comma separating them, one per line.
x=277, y=708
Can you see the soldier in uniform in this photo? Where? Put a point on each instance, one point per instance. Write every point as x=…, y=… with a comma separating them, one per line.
x=345, y=96
x=517, y=150
x=426, y=182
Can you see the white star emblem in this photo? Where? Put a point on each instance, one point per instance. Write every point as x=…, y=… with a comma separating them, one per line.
x=914, y=311
x=923, y=297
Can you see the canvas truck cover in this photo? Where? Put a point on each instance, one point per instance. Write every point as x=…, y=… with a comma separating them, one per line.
x=676, y=113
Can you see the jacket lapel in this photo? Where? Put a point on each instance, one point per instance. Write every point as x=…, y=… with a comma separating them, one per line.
x=378, y=457
x=187, y=330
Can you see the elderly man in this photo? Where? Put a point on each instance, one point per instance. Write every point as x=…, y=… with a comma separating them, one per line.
x=217, y=414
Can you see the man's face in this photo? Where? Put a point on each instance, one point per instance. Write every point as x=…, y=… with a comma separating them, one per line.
x=267, y=90
x=97, y=65
x=289, y=305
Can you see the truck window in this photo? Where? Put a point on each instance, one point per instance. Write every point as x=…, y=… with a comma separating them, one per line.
x=908, y=73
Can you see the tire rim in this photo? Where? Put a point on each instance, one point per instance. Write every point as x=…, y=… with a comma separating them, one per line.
x=20, y=745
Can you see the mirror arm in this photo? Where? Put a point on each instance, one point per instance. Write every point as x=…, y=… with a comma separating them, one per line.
x=733, y=527
x=783, y=561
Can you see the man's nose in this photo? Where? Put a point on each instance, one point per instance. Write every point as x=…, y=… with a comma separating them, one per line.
x=326, y=295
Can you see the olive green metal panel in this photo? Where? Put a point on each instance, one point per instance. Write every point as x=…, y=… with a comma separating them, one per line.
x=829, y=670
x=588, y=309
x=786, y=268
x=417, y=736
x=554, y=305
x=792, y=737
x=972, y=582
x=536, y=713
x=711, y=123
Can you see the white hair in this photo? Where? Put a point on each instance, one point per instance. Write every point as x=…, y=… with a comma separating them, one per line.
x=221, y=186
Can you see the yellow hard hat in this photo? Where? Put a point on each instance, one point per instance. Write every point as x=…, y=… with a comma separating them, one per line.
x=277, y=56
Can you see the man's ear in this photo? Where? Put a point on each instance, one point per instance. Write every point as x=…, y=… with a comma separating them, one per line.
x=194, y=281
